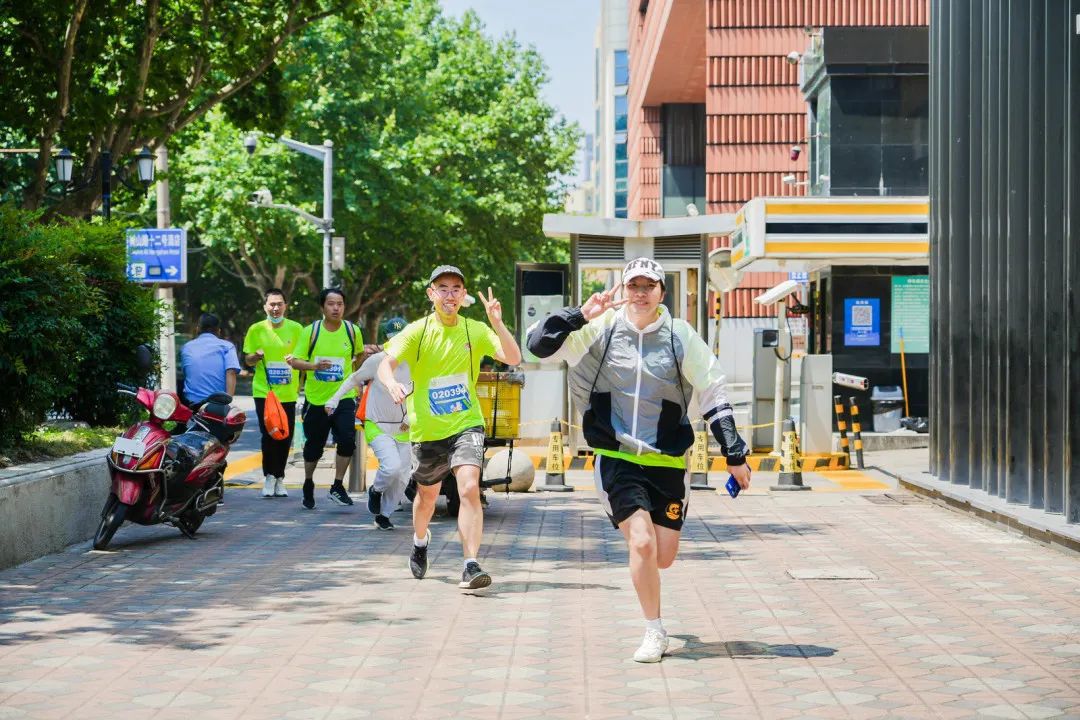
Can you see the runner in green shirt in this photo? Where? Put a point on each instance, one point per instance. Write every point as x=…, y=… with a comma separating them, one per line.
x=267, y=346
x=444, y=352
x=326, y=352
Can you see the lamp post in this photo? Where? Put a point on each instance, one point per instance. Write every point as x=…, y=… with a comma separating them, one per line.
x=325, y=153
x=65, y=164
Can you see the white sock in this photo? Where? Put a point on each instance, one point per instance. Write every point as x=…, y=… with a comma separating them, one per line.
x=469, y=560
x=657, y=625
x=419, y=542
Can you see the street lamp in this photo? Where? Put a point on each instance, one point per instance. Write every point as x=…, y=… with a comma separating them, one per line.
x=326, y=223
x=146, y=166
x=65, y=161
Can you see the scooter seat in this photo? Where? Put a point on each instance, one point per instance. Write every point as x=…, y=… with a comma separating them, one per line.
x=221, y=398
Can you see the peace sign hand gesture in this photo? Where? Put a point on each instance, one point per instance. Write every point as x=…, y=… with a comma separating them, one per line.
x=492, y=306
x=600, y=303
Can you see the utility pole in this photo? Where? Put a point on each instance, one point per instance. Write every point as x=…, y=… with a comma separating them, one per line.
x=167, y=339
x=328, y=211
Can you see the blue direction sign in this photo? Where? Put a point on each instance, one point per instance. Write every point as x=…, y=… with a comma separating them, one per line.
x=799, y=277
x=157, y=255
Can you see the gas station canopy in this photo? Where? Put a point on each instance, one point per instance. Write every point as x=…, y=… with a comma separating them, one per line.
x=810, y=233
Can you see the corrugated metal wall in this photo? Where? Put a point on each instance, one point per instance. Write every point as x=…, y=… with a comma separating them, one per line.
x=1005, y=238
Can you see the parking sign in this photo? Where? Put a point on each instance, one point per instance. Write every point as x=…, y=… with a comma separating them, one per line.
x=157, y=255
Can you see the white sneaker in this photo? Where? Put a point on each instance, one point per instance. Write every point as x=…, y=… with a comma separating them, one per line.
x=652, y=647
x=268, y=486
x=279, y=488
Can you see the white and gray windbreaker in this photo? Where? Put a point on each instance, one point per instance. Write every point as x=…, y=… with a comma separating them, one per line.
x=636, y=385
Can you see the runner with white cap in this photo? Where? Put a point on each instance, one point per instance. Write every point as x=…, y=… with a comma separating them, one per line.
x=634, y=368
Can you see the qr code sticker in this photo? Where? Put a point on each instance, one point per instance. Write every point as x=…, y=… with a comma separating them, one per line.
x=138, y=270
x=862, y=315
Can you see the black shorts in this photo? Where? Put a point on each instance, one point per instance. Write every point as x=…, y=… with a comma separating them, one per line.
x=624, y=487
x=435, y=459
x=318, y=426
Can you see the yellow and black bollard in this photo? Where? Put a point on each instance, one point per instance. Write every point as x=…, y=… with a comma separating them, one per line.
x=555, y=467
x=699, y=460
x=841, y=422
x=790, y=460
x=856, y=431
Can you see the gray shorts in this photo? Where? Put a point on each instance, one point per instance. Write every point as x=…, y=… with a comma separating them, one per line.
x=435, y=459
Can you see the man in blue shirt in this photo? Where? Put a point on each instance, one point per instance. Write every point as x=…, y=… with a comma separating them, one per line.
x=210, y=364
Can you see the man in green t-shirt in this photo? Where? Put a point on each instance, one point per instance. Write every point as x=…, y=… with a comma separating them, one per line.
x=446, y=428
x=267, y=344
x=326, y=351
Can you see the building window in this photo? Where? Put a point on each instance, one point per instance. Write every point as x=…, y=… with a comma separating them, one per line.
x=621, y=168
x=620, y=204
x=620, y=113
x=622, y=67
x=620, y=152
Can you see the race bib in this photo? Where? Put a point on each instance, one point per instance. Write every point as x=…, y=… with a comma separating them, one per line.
x=278, y=373
x=334, y=373
x=448, y=394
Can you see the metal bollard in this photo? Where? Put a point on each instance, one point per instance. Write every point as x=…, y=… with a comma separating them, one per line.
x=856, y=431
x=790, y=460
x=555, y=469
x=699, y=460
x=358, y=466
x=841, y=422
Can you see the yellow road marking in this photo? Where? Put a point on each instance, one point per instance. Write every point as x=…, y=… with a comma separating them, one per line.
x=854, y=480
x=243, y=465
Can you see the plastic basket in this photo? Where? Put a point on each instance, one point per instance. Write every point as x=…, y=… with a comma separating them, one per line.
x=501, y=392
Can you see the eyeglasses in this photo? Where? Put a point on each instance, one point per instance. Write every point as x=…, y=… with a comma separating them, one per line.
x=449, y=292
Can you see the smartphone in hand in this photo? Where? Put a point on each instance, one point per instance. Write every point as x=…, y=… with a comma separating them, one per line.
x=732, y=486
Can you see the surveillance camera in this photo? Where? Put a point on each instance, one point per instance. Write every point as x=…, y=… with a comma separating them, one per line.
x=262, y=198
x=778, y=293
x=795, y=152
x=691, y=210
x=823, y=178
x=788, y=179
x=794, y=57
x=250, y=141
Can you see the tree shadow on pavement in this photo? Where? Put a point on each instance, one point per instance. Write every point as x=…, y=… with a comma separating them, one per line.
x=695, y=649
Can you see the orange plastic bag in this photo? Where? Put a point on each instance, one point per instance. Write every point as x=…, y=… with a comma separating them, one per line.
x=361, y=407
x=274, y=418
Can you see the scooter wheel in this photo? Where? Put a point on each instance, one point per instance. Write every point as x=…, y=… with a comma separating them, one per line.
x=112, y=517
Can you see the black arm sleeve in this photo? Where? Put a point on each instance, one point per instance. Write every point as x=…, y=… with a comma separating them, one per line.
x=725, y=432
x=546, y=338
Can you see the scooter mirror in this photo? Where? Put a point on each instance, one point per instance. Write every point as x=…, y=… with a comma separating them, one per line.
x=144, y=359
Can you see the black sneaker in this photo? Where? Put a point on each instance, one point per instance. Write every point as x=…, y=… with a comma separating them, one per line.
x=383, y=523
x=309, y=495
x=418, y=561
x=374, y=502
x=473, y=578
x=337, y=494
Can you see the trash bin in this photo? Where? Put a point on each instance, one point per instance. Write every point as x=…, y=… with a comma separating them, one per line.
x=887, y=404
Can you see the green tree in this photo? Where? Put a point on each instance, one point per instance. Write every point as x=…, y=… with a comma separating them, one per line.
x=445, y=151
x=117, y=75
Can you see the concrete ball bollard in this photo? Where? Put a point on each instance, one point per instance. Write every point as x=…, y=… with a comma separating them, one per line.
x=522, y=472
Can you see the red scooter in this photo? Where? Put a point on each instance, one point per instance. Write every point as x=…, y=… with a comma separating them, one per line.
x=162, y=477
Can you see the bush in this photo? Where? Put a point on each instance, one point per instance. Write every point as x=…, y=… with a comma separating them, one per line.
x=69, y=322
x=127, y=317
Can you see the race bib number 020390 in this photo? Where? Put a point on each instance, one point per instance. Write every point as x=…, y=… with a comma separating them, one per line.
x=448, y=394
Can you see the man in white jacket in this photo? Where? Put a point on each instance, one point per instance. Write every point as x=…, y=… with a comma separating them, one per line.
x=386, y=429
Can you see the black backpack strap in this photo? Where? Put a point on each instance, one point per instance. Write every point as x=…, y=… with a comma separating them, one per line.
x=351, y=332
x=420, y=342
x=314, y=338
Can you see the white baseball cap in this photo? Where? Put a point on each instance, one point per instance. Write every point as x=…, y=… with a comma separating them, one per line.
x=643, y=267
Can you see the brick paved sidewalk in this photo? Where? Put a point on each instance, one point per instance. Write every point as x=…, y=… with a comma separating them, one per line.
x=275, y=612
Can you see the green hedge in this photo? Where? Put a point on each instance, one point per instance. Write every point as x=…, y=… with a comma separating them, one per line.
x=69, y=322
